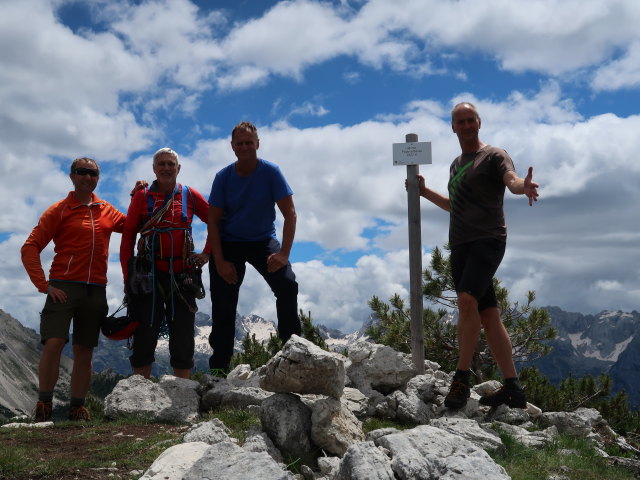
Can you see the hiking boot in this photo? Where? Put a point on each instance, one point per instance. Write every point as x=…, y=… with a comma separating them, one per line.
x=511, y=396
x=79, y=413
x=42, y=411
x=458, y=394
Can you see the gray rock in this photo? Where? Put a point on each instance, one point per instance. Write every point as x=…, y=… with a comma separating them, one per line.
x=258, y=441
x=211, y=432
x=225, y=394
x=228, y=461
x=333, y=427
x=413, y=403
x=355, y=400
x=502, y=413
x=174, y=462
x=287, y=421
x=136, y=396
x=26, y=426
x=364, y=461
x=185, y=401
x=469, y=430
x=243, y=397
x=379, y=368
x=302, y=367
x=329, y=466
x=243, y=376
x=426, y=452
x=487, y=388
x=579, y=423
x=171, y=400
x=533, y=439
x=213, y=393
x=373, y=435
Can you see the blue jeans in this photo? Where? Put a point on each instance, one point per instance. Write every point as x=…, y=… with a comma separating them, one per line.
x=224, y=296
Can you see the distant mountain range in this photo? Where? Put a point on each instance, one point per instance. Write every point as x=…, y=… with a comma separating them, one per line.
x=608, y=342
x=114, y=355
x=19, y=357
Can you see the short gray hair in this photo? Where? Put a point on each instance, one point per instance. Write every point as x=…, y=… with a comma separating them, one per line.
x=166, y=151
x=464, y=105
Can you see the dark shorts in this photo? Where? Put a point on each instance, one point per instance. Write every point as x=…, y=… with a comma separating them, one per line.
x=473, y=266
x=86, y=305
x=151, y=310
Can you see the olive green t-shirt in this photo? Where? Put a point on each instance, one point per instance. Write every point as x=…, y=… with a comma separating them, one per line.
x=476, y=193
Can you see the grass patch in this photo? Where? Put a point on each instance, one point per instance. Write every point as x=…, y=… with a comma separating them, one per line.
x=237, y=420
x=371, y=424
x=577, y=462
x=68, y=447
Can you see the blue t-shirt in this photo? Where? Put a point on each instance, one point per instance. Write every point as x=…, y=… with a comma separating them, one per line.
x=248, y=202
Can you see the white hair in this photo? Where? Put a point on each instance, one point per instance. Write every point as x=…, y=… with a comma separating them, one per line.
x=167, y=151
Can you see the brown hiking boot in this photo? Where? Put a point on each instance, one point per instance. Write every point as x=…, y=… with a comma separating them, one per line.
x=512, y=397
x=42, y=411
x=458, y=394
x=79, y=413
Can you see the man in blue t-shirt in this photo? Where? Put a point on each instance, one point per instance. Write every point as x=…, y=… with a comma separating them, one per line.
x=241, y=229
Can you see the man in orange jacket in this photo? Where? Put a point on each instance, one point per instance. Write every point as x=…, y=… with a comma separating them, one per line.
x=80, y=227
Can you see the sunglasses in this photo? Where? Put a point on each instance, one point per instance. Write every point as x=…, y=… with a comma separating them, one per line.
x=86, y=171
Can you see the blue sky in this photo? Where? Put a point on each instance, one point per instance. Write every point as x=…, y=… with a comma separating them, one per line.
x=331, y=86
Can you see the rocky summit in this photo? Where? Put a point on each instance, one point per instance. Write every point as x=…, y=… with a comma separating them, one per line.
x=310, y=400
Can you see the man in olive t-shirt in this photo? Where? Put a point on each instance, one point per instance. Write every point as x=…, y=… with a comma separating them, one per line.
x=477, y=237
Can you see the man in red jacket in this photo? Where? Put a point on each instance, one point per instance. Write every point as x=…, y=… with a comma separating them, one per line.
x=162, y=214
x=80, y=227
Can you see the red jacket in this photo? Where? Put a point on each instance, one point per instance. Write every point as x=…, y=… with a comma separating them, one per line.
x=171, y=243
x=80, y=235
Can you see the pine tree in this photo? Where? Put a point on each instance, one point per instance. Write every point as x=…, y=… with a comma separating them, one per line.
x=311, y=332
x=253, y=352
x=256, y=353
x=528, y=327
x=587, y=391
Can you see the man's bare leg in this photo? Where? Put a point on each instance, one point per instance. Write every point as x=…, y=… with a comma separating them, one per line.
x=144, y=371
x=498, y=341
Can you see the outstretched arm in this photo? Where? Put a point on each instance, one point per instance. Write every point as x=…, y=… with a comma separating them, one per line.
x=431, y=195
x=522, y=186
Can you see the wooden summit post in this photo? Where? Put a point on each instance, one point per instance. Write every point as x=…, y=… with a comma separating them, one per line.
x=412, y=154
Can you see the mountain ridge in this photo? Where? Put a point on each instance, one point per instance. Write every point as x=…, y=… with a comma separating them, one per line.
x=606, y=342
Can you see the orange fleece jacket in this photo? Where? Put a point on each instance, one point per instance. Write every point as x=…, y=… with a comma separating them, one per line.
x=80, y=235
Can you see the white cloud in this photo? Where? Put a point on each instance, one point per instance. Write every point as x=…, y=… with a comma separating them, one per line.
x=623, y=72
x=309, y=108
x=283, y=43
x=345, y=181
x=336, y=295
x=104, y=93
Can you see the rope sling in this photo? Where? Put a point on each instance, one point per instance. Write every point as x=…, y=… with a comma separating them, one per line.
x=150, y=235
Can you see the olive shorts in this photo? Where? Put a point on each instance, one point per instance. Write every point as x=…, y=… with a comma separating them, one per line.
x=86, y=305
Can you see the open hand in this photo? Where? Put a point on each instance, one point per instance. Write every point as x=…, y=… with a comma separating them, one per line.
x=140, y=184
x=276, y=261
x=57, y=295
x=227, y=271
x=530, y=187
